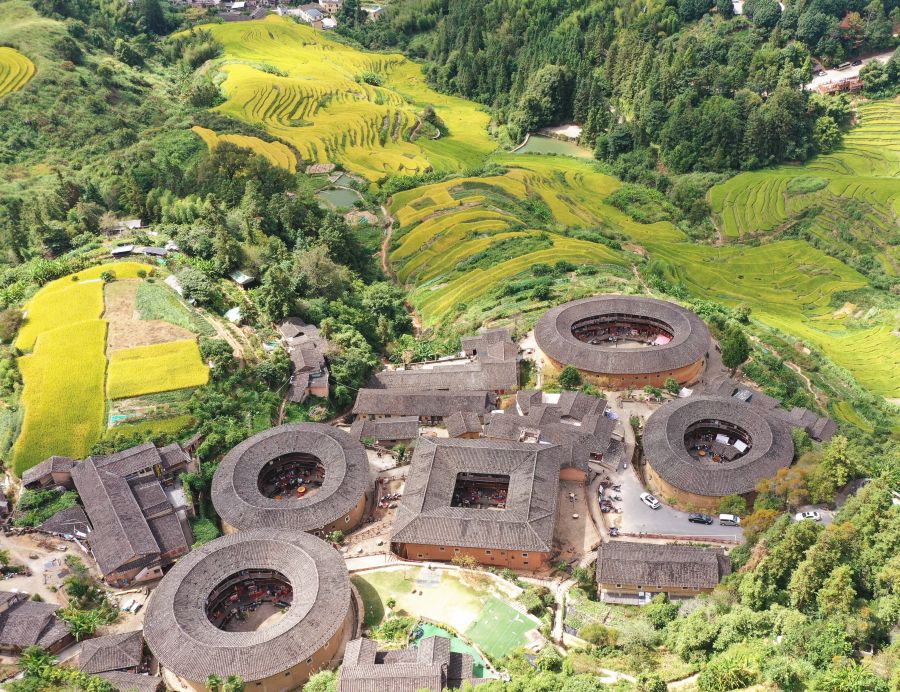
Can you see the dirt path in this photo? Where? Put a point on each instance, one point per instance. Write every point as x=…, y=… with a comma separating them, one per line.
x=640, y=279
x=224, y=333
x=797, y=369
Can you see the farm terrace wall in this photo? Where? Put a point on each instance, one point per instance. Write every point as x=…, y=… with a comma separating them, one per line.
x=527, y=561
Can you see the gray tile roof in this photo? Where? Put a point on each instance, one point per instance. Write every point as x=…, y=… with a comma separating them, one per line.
x=130, y=461
x=121, y=533
x=67, y=521
x=399, y=428
x=689, y=344
x=424, y=403
x=47, y=467
x=484, y=338
x=660, y=566
x=235, y=489
x=426, y=516
x=463, y=422
x=772, y=447
x=28, y=623
x=113, y=652
x=132, y=682
x=431, y=666
x=478, y=374
x=179, y=633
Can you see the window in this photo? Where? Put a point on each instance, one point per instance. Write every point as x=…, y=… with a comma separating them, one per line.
x=524, y=554
x=618, y=586
x=456, y=550
x=347, y=519
x=525, y=563
x=487, y=552
x=441, y=549
x=308, y=660
x=418, y=554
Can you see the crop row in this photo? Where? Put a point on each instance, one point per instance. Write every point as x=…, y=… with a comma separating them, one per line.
x=15, y=70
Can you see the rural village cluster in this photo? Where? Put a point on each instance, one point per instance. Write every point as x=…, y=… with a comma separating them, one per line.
x=450, y=464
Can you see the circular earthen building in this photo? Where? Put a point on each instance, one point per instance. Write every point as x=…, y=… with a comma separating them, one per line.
x=625, y=342
x=271, y=607
x=301, y=476
x=702, y=448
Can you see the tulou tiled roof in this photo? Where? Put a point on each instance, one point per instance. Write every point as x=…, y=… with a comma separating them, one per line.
x=437, y=403
x=772, y=447
x=690, y=336
x=430, y=666
x=390, y=429
x=27, y=623
x=660, y=566
x=113, y=652
x=235, y=489
x=425, y=515
x=179, y=633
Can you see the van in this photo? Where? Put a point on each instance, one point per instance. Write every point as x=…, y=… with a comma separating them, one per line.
x=729, y=520
x=843, y=66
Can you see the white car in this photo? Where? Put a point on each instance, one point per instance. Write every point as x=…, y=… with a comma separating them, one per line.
x=802, y=516
x=650, y=501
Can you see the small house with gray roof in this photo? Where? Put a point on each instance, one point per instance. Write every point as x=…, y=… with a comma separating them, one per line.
x=431, y=665
x=132, y=682
x=464, y=424
x=50, y=473
x=493, y=500
x=123, y=651
x=306, y=348
x=633, y=573
x=25, y=623
x=386, y=431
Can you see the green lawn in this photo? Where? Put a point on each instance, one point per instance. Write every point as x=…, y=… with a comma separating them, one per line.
x=500, y=628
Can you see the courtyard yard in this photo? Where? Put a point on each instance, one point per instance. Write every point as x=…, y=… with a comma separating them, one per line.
x=481, y=605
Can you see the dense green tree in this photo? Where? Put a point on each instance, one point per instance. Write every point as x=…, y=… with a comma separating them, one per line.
x=569, y=378
x=735, y=349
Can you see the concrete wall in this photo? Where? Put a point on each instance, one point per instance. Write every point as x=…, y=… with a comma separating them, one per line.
x=346, y=523
x=514, y=559
x=291, y=679
x=684, y=375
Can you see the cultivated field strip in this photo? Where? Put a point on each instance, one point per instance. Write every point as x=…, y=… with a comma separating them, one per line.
x=277, y=153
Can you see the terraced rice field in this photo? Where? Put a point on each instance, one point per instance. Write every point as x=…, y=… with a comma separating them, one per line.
x=277, y=153
x=445, y=224
x=310, y=91
x=865, y=170
x=66, y=375
x=16, y=70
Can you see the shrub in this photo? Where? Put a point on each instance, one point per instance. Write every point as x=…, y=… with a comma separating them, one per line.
x=733, y=504
x=598, y=635
x=570, y=378
x=660, y=612
x=204, y=531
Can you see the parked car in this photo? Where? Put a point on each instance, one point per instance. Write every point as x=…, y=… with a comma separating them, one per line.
x=700, y=519
x=803, y=516
x=729, y=520
x=843, y=66
x=650, y=501
x=819, y=73
x=856, y=63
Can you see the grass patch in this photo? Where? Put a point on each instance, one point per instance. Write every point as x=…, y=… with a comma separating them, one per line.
x=156, y=368
x=374, y=607
x=150, y=429
x=63, y=394
x=805, y=184
x=155, y=301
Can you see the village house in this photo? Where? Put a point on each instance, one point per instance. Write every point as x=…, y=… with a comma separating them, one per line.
x=429, y=406
x=138, y=526
x=51, y=473
x=122, y=652
x=489, y=361
x=306, y=348
x=386, y=432
x=490, y=500
x=25, y=623
x=429, y=666
x=311, y=14
x=632, y=573
x=331, y=6
x=465, y=425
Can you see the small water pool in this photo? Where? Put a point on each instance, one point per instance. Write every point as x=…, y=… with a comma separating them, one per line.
x=339, y=197
x=539, y=144
x=456, y=644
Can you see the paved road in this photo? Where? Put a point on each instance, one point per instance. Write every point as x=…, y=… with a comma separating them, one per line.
x=835, y=75
x=636, y=517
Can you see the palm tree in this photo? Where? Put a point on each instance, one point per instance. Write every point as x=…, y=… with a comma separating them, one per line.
x=233, y=683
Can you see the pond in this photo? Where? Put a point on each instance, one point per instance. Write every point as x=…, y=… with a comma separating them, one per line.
x=339, y=197
x=456, y=644
x=538, y=144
